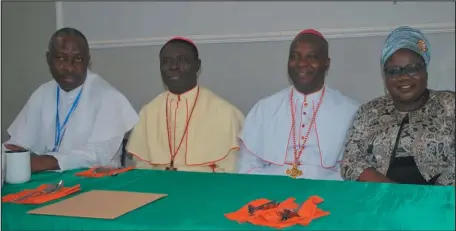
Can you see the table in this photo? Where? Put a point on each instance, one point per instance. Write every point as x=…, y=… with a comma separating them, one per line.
x=200, y=201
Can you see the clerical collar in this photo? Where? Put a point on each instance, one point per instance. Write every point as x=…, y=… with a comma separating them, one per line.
x=315, y=96
x=189, y=95
x=73, y=92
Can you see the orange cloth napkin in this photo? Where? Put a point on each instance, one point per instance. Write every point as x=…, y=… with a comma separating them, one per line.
x=273, y=216
x=102, y=172
x=36, y=196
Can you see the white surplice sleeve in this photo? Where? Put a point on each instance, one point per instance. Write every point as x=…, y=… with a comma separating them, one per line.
x=94, y=154
x=248, y=163
x=27, y=124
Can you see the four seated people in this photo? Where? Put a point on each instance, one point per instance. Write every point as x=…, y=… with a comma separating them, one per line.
x=307, y=130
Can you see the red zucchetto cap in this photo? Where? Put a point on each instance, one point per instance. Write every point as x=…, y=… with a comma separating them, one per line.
x=312, y=32
x=182, y=39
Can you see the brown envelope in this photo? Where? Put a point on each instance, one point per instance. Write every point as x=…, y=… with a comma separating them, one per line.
x=99, y=204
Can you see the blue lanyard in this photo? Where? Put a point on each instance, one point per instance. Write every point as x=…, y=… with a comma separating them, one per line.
x=58, y=128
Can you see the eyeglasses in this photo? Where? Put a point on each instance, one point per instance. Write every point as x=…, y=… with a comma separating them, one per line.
x=412, y=70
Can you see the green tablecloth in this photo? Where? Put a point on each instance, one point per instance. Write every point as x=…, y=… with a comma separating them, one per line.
x=200, y=200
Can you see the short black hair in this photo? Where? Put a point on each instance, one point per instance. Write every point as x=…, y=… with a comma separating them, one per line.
x=67, y=31
x=180, y=41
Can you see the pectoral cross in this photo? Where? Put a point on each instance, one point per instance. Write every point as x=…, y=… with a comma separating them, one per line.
x=294, y=172
x=171, y=166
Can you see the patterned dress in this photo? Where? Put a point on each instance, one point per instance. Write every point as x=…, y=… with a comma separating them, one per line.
x=383, y=138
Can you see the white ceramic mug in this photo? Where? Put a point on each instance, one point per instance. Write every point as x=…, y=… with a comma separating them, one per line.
x=17, y=166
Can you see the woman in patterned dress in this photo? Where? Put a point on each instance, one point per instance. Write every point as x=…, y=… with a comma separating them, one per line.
x=407, y=136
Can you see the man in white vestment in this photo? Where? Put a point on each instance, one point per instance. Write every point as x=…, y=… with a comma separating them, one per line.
x=299, y=131
x=77, y=120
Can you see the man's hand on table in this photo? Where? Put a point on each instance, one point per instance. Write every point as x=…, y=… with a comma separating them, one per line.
x=43, y=162
x=38, y=163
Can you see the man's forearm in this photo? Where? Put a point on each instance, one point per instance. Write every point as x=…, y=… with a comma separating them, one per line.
x=38, y=163
x=41, y=163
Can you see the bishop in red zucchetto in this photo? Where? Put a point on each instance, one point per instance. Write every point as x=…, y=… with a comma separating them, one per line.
x=299, y=131
x=187, y=127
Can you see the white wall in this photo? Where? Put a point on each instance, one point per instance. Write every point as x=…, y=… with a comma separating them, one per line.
x=26, y=29
x=244, y=45
x=129, y=23
x=243, y=73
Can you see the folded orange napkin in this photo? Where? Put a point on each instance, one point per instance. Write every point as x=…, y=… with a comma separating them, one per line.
x=97, y=172
x=264, y=212
x=37, y=196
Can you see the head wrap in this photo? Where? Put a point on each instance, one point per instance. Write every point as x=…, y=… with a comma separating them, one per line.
x=406, y=38
x=312, y=32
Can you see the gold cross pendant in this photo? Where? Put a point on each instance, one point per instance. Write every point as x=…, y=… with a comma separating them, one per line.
x=294, y=172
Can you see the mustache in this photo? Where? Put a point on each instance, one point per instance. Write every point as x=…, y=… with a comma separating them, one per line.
x=69, y=74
